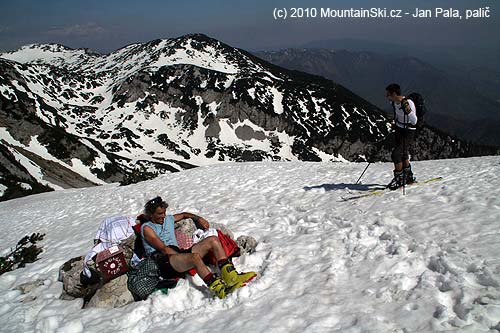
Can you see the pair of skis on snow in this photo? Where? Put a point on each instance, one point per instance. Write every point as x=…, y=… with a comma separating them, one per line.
x=384, y=190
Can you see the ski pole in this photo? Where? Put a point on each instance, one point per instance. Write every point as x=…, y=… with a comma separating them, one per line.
x=363, y=173
x=404, y=150
x=379, y=141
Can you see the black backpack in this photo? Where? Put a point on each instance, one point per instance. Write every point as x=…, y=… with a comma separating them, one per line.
x=419, y=102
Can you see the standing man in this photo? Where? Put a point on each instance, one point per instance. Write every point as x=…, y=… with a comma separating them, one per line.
x=405, y=120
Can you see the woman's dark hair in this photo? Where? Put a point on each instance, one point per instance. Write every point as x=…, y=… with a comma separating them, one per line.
x=151, y=205
x=394, y=88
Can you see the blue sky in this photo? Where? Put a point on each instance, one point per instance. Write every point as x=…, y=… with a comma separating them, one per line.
x=107, y=25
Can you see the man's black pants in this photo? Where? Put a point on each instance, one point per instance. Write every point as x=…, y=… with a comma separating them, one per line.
x=404, y=142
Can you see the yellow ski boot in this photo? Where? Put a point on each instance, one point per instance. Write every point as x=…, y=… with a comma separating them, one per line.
x=233, y=279
x=218, y=287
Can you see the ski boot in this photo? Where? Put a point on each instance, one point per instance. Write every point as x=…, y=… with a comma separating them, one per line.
x=233, y=279
x=397, y=181
x=218, y=288
x=408, y=176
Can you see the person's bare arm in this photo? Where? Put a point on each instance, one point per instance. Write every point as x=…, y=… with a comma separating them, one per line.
x=198, y=220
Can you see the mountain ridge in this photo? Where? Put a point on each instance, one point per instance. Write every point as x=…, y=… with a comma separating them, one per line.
x=171, y=104
x=454, y=100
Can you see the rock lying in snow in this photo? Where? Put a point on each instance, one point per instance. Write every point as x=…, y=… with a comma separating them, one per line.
x=25, y=288
x=69, y=275
x=112, y=295
x=247, y=244
x=187, y=226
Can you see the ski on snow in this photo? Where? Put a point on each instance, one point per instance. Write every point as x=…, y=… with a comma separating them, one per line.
x=381, y=191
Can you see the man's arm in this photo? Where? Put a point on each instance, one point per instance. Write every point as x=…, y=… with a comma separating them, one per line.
x=151, y=237
x=410, y=110
x=198, y=220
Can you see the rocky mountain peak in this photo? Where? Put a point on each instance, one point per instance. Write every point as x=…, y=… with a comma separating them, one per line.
x=172, y=104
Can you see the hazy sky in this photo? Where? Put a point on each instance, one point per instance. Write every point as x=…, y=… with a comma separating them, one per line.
x=106, y=25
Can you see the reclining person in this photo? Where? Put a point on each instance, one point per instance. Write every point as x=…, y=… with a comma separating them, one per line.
x=159, y=241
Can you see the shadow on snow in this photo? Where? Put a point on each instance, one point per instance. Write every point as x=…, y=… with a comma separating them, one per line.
x=343, y=186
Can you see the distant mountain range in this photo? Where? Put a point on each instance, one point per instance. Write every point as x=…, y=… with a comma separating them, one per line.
x=462, y=57
x=464, y=103
x=74, y=118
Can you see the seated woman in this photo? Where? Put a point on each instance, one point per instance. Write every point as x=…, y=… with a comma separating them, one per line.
x=159, y=241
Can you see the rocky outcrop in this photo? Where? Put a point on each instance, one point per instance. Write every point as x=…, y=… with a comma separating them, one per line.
x=113, y=294
x=69, y=275
x=247, y=244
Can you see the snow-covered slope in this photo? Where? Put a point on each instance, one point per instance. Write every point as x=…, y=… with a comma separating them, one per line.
x=425, y=261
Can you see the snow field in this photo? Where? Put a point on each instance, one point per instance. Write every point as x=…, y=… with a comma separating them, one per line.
x=426, y=261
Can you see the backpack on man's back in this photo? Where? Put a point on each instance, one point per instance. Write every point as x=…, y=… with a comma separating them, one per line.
x=420, y=108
